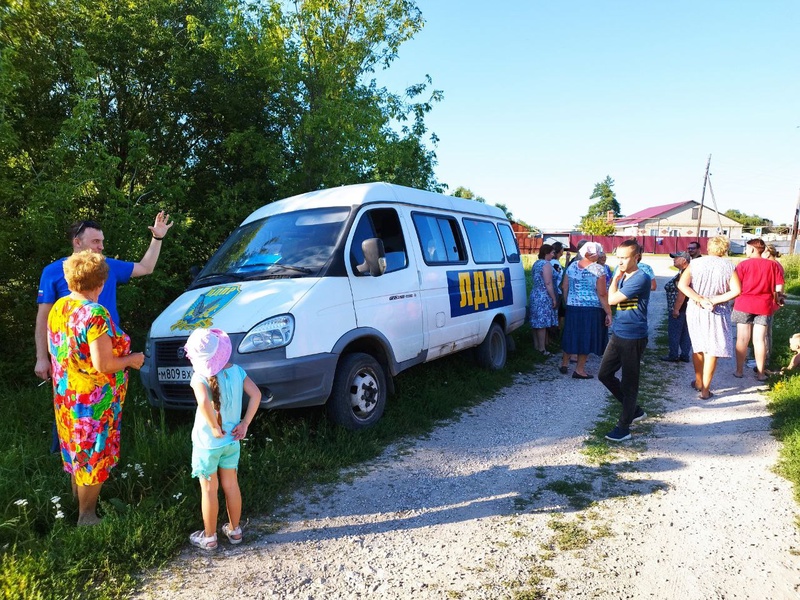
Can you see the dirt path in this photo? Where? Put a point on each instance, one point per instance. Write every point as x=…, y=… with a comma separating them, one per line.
x=504, y=502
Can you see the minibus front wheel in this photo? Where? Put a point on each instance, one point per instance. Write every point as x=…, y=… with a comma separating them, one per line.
x=358, y=395
x=491, y=354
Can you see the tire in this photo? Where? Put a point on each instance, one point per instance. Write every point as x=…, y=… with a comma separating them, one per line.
x=493, y=351
x=358, y=396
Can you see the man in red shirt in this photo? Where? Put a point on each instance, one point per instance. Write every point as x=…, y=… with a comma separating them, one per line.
x=761, y=280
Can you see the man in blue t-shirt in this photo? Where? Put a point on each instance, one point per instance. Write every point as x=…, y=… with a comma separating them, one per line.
x=630, y=293
x=88, y=235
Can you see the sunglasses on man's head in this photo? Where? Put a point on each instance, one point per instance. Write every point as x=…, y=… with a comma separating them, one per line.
x=84, y=225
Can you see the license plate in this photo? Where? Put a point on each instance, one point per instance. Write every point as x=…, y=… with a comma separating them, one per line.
x=175, y=374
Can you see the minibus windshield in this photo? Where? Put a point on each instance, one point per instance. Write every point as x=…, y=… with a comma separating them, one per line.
x=294, y=244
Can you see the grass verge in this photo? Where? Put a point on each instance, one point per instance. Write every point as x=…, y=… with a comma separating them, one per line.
x=150, y=503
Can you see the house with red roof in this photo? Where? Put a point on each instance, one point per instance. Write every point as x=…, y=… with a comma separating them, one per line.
x=677, y=220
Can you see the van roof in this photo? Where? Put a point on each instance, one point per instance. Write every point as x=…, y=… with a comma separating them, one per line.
x=367, y=193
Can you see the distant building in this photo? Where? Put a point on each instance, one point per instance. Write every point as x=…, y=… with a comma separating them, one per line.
x=678, y=219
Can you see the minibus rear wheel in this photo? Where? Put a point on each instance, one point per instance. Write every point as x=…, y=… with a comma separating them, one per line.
x=358, y=395
x=493, y=350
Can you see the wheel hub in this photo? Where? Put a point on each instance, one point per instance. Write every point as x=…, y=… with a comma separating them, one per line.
x=364, y=393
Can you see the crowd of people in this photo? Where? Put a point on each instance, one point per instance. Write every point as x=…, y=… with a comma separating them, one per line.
x=588, y=306
x=705, y=298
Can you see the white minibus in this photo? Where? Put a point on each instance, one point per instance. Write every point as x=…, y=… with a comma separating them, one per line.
x=330, y=294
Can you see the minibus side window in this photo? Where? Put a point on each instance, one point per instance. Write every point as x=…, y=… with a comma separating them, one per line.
x=484, y=241
x=509, y=242
x=382, y=223
x=440, y=239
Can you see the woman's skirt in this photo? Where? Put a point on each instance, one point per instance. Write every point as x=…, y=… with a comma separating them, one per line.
x=585, y=330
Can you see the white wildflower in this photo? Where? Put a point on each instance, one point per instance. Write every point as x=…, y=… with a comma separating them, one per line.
x=178, y=495
x=21, y=502
x=59, y=515
x=124, y=475
x=55, y=499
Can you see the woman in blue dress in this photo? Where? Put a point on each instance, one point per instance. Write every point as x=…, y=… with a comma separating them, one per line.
x=544, y=299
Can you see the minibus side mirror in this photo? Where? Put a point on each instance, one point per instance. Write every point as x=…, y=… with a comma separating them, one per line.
x=194, y=271
x=374, y=257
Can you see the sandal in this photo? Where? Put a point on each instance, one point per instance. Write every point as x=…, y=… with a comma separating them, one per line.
x=562, y=369
x=234, y=535
x=199, y=539
x=694, y=386
x=700, y=396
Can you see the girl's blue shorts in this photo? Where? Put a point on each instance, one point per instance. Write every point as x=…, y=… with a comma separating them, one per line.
x=206, y=461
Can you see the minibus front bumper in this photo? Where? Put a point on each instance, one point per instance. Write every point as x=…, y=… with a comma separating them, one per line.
x=284, y=382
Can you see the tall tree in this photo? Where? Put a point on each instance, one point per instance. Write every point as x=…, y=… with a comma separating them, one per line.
x=606, y=199
x=206, y=108
x=595, y=221
x=344, y=118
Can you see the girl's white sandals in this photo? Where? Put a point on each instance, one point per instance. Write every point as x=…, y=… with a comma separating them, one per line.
x=234, y=535
x=199, y=539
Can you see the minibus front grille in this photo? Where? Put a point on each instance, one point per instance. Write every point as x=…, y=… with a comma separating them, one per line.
x=170, y=353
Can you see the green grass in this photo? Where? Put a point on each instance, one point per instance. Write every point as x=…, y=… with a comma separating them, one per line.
x=150, y=503
x=784, y=394
x=791, y=269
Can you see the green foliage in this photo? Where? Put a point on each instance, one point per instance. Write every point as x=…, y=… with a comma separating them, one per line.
x=596, y=226
x=784, y=394
x=531, y=228
x=791, y=271
x=467, y=194
x=747, y=220
x=504, y=208
x=206, y=108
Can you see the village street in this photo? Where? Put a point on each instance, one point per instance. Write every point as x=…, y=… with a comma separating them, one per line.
x=690, y=509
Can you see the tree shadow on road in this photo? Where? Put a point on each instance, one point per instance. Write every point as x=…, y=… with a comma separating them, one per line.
x=497, y=491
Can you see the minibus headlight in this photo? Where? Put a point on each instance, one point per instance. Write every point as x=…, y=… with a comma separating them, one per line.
x=269, y=334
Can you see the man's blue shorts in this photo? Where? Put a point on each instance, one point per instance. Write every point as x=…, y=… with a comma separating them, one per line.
x=206, y=461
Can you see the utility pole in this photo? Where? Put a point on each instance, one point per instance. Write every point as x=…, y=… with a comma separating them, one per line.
x=794, y=226
x=702, y=198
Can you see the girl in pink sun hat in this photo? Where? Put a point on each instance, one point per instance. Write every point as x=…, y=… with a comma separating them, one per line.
x=218, y=427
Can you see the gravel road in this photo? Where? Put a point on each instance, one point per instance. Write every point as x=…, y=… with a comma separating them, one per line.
x=505, y=503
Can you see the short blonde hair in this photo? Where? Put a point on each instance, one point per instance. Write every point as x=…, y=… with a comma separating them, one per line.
x=794, y=340
x=718, y=245
x=85, y=271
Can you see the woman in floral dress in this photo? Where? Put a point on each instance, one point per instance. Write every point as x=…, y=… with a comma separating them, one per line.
x=588, y=312
x=544, y=299
x=88, y=356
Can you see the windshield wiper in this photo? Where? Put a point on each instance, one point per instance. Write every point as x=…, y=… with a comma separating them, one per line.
x=222, y=276
x=305, y=270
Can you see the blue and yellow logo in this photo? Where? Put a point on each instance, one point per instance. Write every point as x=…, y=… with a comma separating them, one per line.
x=202, y=310
x=474, y=291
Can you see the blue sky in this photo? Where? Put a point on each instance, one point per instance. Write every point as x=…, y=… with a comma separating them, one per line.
x=543, y=99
